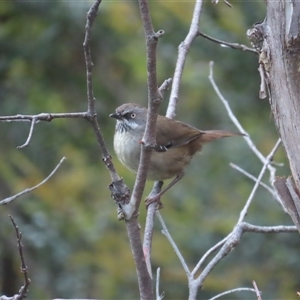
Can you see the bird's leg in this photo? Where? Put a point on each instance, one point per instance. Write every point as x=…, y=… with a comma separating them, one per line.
x=156, y=198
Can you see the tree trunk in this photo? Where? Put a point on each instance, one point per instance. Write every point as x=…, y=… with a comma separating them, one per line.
x=278, y=42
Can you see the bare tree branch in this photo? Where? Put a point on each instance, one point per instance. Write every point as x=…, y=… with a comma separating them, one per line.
x=235, y=121
x=209, y=252
x=154, y=98
x=228, y=243
x=147, y=144
x=47, y=117
x=165, y=231
x=10, y=199
x=268, y=160
x=256, y=290
x=267, y=187
x=148, y=234
x=119, y=191
x=247, y=227
x=147, y=243
x=24, y=269
x=242, y=289
x=231, y=45
x=158, y=296
x=91, y=16
x=33, y=121
x=241, y=170
x=183, y=50
x=225, y=1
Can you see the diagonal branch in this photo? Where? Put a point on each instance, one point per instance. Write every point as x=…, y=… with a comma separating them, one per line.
x=119, y=191
x=231, y=45
x=183, y=50
x=165, y=231
x=12, y=198
x=268, y=160
x=209, y=252
x=236, y=122
x=267, y=187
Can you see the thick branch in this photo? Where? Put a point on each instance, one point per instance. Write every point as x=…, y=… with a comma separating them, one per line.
x=154, y=98
x=280, y=56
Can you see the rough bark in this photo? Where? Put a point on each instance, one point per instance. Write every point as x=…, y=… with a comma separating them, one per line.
x=278, y=42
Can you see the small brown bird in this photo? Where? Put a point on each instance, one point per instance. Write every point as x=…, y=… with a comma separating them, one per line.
x=176, y=142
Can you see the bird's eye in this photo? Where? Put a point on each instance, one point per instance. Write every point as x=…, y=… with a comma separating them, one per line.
x=133, y=115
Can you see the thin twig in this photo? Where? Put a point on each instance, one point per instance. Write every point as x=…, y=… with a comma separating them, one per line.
x=228, y=3
x=174, y=246
x=258, y=293
x=236, y=122
x=247, y=227
x=158, y=296
x=9, y=199
x=33, y=121
x=231, y=45
x=47, y=117
x=207, y=253
x=91, y=16
x=119, y=191
x=242, y=289
x=267, y=187
x=164, y=87
x=262, y=172
x=231, y=241
x=24, y=269
x=182, y=54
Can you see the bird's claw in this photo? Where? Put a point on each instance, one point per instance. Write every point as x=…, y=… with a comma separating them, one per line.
x=154, y=199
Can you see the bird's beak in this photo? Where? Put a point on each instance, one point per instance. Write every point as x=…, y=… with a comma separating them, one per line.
x=116, y=116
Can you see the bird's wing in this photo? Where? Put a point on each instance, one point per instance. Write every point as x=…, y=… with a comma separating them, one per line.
x=171, y=133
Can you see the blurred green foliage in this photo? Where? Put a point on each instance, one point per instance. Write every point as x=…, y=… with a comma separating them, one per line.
x=74, y=245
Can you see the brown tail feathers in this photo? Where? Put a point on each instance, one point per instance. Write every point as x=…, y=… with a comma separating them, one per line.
x=211, y=135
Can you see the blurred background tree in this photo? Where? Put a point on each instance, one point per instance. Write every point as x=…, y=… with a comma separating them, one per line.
x=74, y=245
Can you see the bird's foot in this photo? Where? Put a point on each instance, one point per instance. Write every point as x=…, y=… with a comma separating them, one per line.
x=154, y=199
